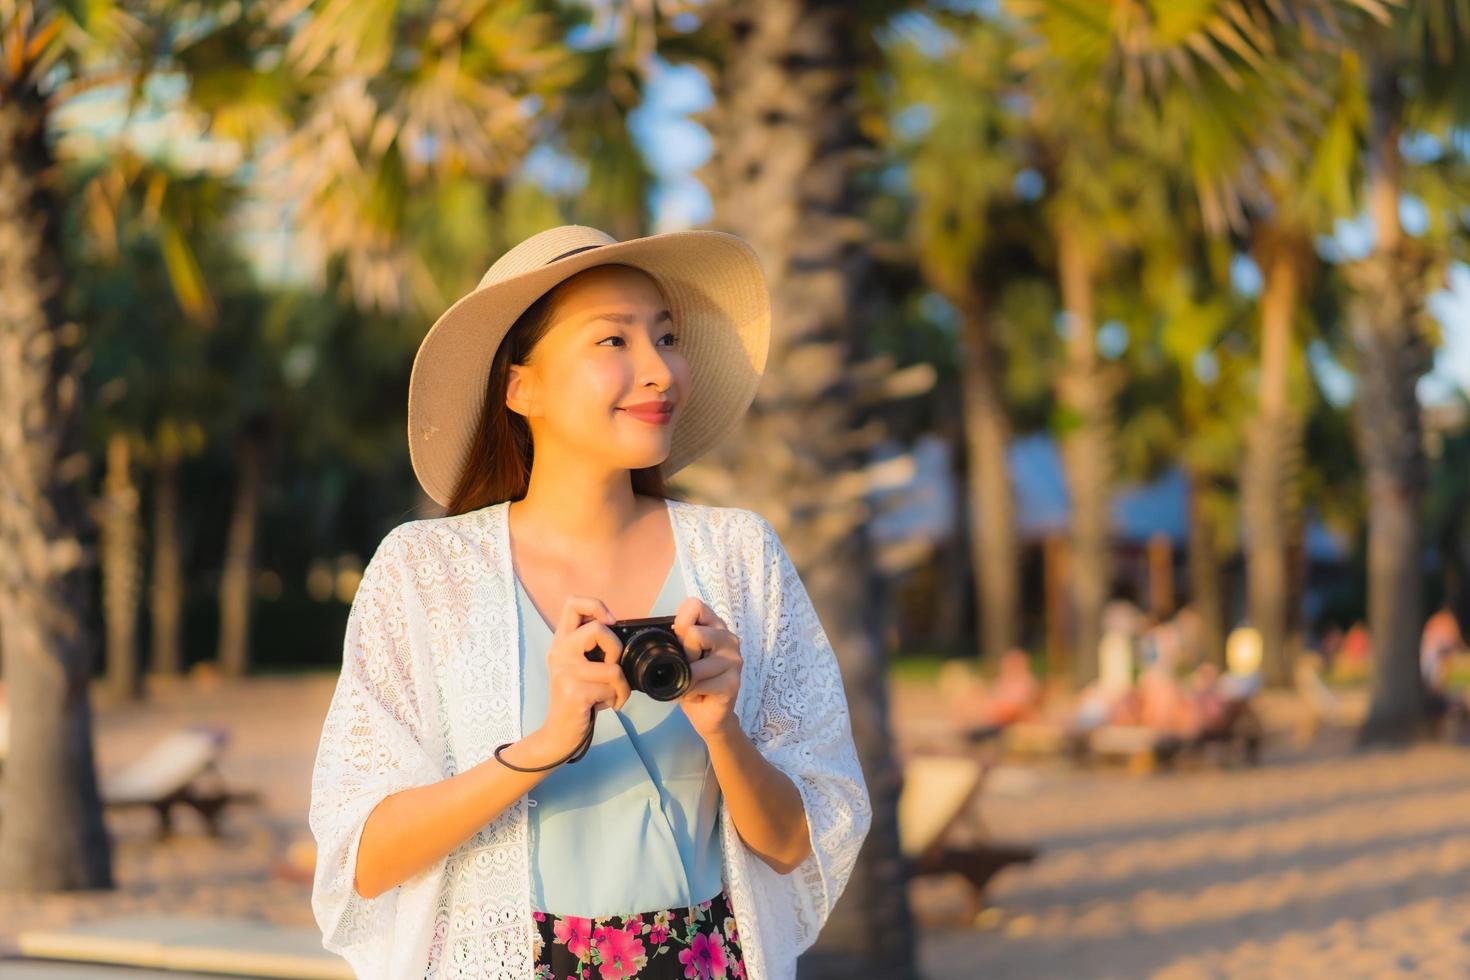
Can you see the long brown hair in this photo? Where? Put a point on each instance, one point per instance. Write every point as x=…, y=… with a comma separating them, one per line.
x=498, y=465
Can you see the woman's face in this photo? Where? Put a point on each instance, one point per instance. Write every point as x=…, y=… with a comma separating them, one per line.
x=611, y=346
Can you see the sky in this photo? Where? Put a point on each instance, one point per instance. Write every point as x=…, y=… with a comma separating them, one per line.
x=675, y=145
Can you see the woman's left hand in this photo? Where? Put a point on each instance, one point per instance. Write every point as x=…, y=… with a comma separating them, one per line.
x=714, y=665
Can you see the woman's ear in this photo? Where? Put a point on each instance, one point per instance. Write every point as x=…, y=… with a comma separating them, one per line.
x=520, y=390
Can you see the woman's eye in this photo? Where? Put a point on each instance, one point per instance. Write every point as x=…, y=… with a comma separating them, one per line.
x=671, y=337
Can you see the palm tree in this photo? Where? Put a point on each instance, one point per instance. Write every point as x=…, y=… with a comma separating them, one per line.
x=377, y=112
x=173, y=440
x=150, y=225
x=788, y=154
x=1073, y=138
x=1199, y=415
x=119, y=543
x=396, y=130
x=1289, y=198
x=1415, y=75
x=52, y=837
x=1220, y=92
x=967, y=227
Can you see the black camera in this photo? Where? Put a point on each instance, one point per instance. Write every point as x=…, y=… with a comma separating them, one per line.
x=653, y=659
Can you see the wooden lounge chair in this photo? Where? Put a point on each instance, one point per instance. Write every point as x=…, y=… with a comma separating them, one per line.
x=1042, y=739
x=938, y=795
x=181, y=769
x=1239, y=730
x=1321, y=705
x=1142, y=749
x=1145, y=749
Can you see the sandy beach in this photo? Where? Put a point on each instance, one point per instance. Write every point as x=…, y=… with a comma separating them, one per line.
x=1319, y=863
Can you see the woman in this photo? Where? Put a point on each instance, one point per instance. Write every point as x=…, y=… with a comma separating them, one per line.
x=488, y=799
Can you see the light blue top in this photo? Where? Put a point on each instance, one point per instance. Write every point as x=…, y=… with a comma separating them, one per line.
x=632, y=826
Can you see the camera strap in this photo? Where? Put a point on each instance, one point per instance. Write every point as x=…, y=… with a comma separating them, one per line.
x=574, y=756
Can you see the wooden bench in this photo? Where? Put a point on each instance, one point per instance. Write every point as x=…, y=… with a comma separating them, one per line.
x=181, y=769
x=938, y=796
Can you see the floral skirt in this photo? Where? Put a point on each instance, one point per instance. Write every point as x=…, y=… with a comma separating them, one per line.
x=700, y=942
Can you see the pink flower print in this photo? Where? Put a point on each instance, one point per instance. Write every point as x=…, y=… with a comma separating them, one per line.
x=659, y=930
x=620, y=953
x=730, y=934
x=575, y=934
x=705, y=957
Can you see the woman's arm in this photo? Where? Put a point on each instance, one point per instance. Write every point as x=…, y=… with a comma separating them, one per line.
x=763, y=802
x=765, y=805
x=412, y=829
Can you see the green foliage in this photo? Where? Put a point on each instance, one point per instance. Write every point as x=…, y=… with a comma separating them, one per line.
x=395, y=134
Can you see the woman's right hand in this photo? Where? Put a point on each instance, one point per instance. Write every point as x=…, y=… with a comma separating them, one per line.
x=578, y=684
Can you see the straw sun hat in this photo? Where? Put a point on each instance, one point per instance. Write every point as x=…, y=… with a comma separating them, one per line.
x=716, y=293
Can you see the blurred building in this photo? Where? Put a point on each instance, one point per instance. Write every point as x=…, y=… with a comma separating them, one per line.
x=917, y=519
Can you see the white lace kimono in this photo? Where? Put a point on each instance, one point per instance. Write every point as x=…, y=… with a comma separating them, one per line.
x=430, y=685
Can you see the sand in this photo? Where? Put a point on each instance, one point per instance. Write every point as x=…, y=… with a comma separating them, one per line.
x=1320, y=863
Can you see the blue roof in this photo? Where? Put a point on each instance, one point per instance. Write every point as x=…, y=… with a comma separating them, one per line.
x=1140, y=510
x=923, y=505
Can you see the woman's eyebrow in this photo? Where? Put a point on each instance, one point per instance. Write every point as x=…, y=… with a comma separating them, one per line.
x=627, y=319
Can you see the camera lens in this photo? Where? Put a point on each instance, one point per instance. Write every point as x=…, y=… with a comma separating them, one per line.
x=666, y=677
x=655, y=664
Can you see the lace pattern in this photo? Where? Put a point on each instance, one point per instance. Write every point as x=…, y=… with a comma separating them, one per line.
x=430, y=685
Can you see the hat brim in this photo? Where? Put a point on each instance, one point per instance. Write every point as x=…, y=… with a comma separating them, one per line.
x=716, y=292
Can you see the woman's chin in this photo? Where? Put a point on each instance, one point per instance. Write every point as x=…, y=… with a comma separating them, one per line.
x=637, y=454
x=653, y=457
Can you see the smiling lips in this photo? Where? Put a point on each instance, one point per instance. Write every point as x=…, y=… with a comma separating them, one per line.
x=654, y=413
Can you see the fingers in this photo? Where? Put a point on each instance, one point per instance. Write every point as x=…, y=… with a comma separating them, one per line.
x=589, y=684
x=593, y=641
x=609, y=679
x=588, y=654
x=602, y=694
x=693, y=612
x=700, y=641
x=579, y=608
x=708, y=668
x=594, y=656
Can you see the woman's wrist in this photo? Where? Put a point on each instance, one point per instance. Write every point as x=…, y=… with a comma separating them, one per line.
x=537, y=748
x=728, y=731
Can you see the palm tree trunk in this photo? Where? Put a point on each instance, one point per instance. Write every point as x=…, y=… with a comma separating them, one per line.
x=787, y=150
x=1298, y=571
x=993, y=527
x=52, y=837
x=1059, y=652
x=1087, y=451
x=1207, y=593
x=1272, y=449
x=166, y=601
x=1161, y=602
x=119, y=540
x=236, y=578
x=1388, y=323
x=953, y=602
